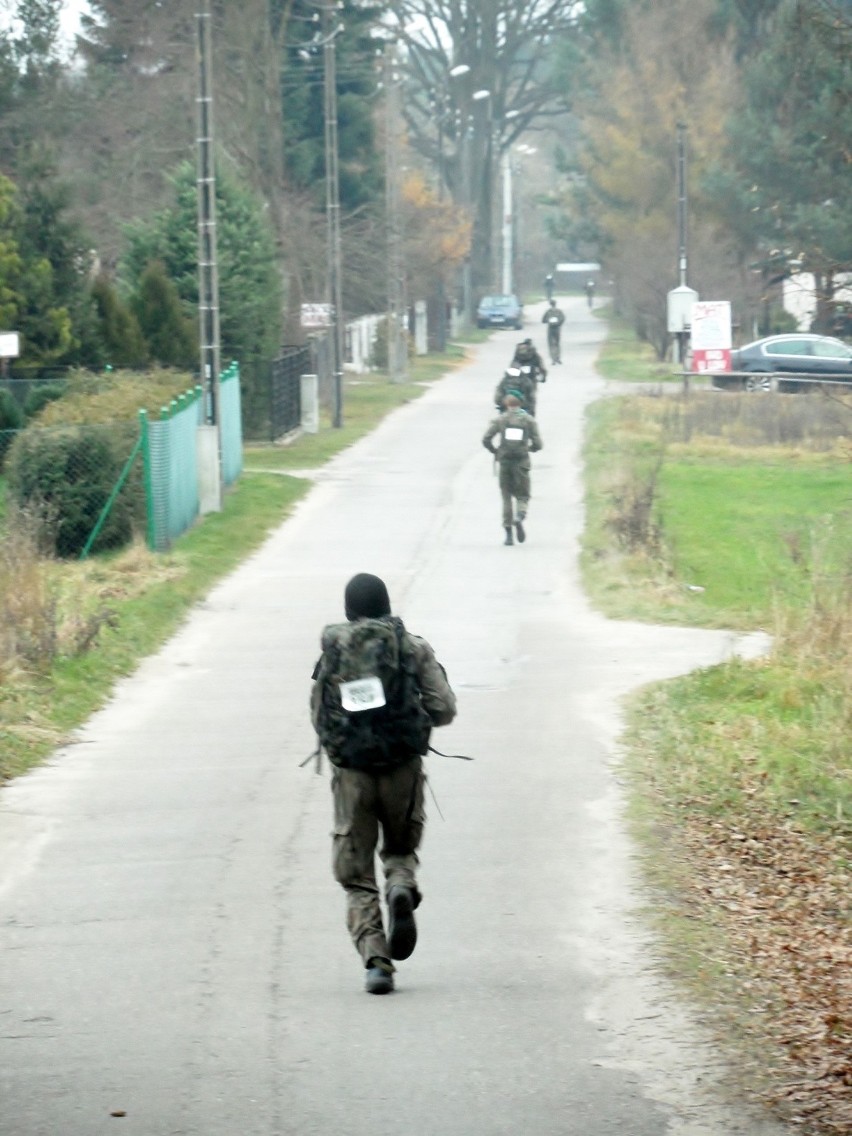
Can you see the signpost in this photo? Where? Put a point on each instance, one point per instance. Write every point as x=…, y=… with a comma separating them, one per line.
x=315, y=317
x=711, y=336
x=10, y=348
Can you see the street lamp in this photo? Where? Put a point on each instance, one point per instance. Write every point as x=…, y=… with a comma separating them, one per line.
x=473, y=189
x=441, y=107
x=508, y=214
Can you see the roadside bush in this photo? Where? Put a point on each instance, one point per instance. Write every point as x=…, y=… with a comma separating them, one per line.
x=115, y=396
x=11, y=419
x=40, y=396
x=69, y=473
x=67, y=462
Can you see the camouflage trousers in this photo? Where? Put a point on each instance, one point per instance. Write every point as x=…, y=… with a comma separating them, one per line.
x=365, y=806
x=514, y=486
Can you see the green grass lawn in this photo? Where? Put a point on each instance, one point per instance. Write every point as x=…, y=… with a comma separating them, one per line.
x=750, y=534
x=741, y=528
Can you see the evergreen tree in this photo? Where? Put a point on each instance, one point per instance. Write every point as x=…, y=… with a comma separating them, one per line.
x=31, y=108
x=168, y=331
x=11, y=262
x=360, y=161
x=250, y=292
x=50, y=232
x=119, y=332
x=29, y=299
x=786, y=184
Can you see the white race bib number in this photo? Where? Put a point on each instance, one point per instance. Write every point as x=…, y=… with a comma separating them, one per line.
x=362, y=694
x=513, y=434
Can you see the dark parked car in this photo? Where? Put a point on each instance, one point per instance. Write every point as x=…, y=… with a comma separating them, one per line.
x=819, y=356
x=500, y=311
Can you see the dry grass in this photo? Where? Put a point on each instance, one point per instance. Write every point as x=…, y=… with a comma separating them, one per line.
x=52, y=609
x=813, y=423
x=28, y=605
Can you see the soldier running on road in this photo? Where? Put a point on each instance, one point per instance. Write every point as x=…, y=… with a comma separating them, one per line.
x=518, y=438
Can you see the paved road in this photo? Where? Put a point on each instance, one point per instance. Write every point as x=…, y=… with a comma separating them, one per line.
x=173, y=944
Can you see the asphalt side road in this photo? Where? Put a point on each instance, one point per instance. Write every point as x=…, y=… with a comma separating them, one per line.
x=174, y=955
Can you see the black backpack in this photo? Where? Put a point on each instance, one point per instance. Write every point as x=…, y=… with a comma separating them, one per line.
x=371, y=715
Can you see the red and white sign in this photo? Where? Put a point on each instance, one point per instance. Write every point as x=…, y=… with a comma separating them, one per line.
x=710, y=334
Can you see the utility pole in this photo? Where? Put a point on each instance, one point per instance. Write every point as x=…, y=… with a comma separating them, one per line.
x=683, y=335
x=332, y=210
x=397, y=338
x=441, y=107
x=681, y=204
x=210, y=465
x=208, y=275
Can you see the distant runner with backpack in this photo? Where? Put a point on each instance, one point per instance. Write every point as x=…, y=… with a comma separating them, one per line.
x=378, y=691
x=554, y=318
x=518, y=437
x=520, y=381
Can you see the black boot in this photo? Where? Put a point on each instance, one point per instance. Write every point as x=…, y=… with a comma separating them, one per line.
x=509, y=538
x=402, y=930
x=379, y=976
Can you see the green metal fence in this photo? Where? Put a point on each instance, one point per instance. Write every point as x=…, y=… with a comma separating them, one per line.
x=170, y=456
x=230, y=425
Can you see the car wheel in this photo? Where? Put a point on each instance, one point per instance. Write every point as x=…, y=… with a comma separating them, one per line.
x=758, y=383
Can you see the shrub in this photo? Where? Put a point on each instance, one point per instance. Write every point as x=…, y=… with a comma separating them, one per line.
x=69, y=473
x=11, y=419
x=114, y=396
x=40, y=396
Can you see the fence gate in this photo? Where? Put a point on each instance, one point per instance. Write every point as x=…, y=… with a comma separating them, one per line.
x=285, y=403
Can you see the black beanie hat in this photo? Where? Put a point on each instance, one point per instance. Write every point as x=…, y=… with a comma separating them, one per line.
x=366, y=597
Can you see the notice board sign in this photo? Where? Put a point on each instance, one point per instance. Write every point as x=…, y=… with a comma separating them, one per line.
x=10, y=345
x=314, y=316
x=711, y=335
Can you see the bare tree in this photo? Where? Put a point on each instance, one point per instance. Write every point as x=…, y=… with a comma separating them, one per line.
x=481, y=73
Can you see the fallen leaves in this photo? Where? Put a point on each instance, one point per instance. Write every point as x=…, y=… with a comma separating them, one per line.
x=781, y=899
